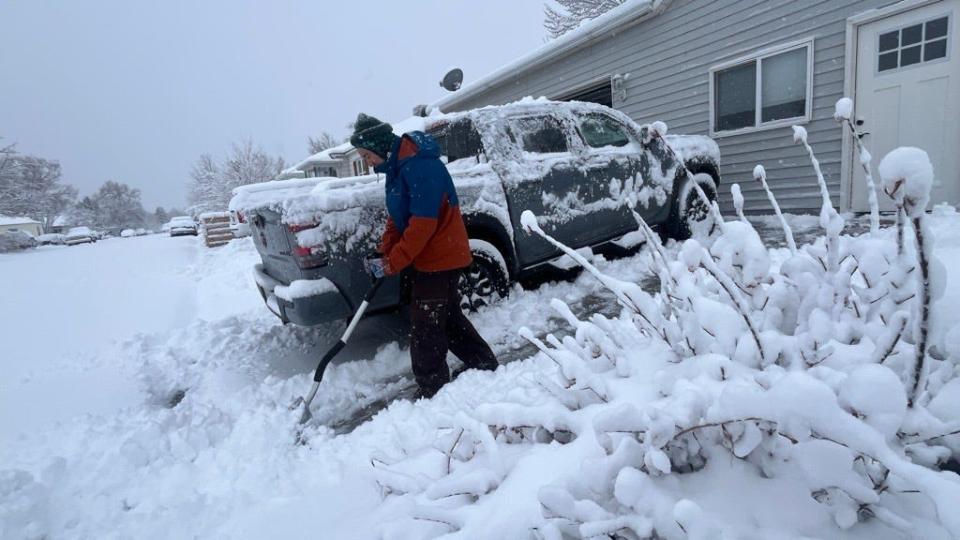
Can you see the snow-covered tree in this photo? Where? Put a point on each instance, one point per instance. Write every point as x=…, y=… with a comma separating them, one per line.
x=160, y=216
x=320, y=143
x=31, y=186
x=212, y=183
x=567, y=15
x=118, y=206
x=206, y=185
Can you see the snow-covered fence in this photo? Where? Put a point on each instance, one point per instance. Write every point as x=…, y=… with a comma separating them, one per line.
x=796, y=366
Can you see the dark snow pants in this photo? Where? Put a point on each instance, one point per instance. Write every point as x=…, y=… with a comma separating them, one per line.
x=438, y=325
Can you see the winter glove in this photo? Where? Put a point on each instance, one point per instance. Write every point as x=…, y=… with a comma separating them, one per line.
x=375, y=266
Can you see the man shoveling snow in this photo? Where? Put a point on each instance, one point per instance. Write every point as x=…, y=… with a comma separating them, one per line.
x=424, y=230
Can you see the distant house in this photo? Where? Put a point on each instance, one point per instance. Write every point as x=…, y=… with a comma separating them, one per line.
x=343, y=160
x=25, y=224
x=744, y=71
x=60, y=225
x=338, y=162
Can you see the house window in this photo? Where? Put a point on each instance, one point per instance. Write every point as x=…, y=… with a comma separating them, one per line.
x=359, y=167
x=767, y=89
x=923, y=42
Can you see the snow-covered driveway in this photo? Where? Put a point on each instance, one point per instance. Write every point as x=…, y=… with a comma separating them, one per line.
x=60, y=306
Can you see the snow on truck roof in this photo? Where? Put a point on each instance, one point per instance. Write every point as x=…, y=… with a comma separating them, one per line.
x=299, y=199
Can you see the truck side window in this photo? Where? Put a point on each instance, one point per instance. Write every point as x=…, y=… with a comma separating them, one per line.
x=541, y=134
x=457, y=139
x=599, y=130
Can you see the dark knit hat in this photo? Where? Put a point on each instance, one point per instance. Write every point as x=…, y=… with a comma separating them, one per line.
x=373, y=135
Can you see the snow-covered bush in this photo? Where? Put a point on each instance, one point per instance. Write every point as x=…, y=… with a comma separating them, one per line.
x=796, y=367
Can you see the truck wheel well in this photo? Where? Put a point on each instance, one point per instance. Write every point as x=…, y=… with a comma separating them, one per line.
x=704, y=166
x=499, y=239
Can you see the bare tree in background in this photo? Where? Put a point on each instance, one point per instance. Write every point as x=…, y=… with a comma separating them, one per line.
x=30, y=186
x=118, y=206
x=320, y=143
x=572, y=13
x=212, y=183
x=206, y=185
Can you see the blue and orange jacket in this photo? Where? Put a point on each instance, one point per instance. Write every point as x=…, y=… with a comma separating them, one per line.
x=424, y=224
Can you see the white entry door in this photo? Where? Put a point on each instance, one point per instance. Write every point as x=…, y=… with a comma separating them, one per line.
x=908, y=94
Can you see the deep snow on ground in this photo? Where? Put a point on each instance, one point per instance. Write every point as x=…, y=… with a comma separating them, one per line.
x=222, y=460
x=62, y=307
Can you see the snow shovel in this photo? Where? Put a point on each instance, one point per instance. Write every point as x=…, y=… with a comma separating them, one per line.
x=334, y=350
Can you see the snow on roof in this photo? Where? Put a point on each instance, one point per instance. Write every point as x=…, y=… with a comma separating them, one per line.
x=622, y=15
x=11, y=220
x=61, y=221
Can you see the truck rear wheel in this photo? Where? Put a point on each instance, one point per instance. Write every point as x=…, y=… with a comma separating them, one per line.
x=690, y=215
x=486, y=280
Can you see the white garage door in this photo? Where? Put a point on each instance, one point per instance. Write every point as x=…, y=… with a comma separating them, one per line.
x=908, y=93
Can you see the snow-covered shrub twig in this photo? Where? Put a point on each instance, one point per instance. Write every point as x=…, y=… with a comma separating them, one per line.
x=907, y=177
x=842, y=113
x=760, y=175
x=830, y=220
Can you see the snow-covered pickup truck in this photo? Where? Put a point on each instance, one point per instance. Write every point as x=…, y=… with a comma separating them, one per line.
x=580, y=167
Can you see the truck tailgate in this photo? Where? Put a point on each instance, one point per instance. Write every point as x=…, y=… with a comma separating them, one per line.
x=275, y=243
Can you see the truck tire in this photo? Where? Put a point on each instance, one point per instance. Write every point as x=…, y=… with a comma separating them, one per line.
x=486, y=280
x=690, y=215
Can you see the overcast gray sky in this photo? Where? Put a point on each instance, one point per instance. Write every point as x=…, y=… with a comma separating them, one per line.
x=134, y=91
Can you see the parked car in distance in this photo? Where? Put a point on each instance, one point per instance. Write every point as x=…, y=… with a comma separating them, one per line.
x=583, y=168
x=183, y=226
x=51, y=239
x=127, y=233
x=80, y=235
x=16, y=240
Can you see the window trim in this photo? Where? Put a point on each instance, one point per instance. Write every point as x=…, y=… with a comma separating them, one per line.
x=758, y=56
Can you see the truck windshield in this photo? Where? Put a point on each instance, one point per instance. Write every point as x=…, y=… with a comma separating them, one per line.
x=457, y=139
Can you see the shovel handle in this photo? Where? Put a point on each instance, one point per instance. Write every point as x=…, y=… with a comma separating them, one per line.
x=339, y=345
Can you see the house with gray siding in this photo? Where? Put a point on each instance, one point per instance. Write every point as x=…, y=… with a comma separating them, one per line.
x=337, y=162
x=744, y=71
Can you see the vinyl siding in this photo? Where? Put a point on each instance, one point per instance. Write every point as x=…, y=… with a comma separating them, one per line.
x=668, y=58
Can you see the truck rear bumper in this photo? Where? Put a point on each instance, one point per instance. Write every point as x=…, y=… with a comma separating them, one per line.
x=304, y=311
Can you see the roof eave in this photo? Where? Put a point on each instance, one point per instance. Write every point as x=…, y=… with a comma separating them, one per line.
x=597, y=28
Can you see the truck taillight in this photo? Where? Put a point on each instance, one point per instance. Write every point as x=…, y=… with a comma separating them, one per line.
x=240, y=217
x=295, y=228
x=306, y=259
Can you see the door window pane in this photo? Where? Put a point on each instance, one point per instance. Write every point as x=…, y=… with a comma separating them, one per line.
x=599, y=130
x=910, y=56
x=911, y=34
x=888, y=61
x=935, y=49
x=935, y=28
x=541, y=135
x=736, y=99
x=890, y=40
x=784, y=85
